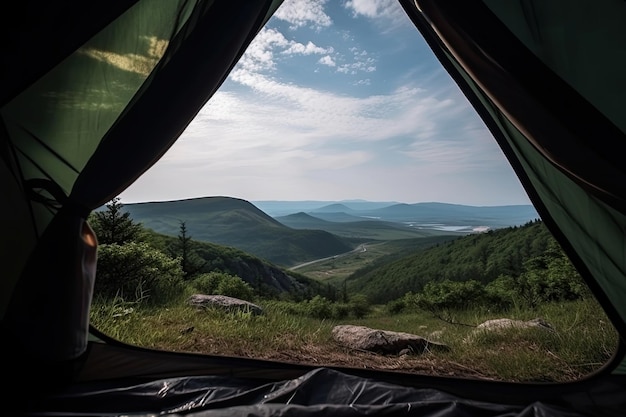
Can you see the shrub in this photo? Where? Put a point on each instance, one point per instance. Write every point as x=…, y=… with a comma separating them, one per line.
x=207, y=283
x=319, y=307
x=223, y=284
x=451, y=295
x=501, y=293
x=137, y=271
x=359, y=306
x=234, y=286
x=396, y=306
x=340, y=310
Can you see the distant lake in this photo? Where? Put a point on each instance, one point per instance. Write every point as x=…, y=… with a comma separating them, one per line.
x=448, y=228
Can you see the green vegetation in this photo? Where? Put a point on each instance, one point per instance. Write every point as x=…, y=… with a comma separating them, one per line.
x=583, y=340
x=482, y=257
x=445, y=288
x=223, y=284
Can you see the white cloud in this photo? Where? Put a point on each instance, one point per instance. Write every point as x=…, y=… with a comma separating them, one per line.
x=327, y=60
x=260, y=56
x=385, y=10
x=359, y=66
x=300, y=13
x=280, y=124
x=308, y=49
x=372, y=8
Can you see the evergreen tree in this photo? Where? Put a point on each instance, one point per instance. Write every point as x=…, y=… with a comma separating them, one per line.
x=114, y=225
x=184, y=242
x=190, y=261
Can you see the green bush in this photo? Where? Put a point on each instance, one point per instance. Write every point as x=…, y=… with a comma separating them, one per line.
x=207, y=283
x=319, y=307
x=223, y=284
x=396, y=306
x=359, y=306
x=501, y=293
x=136, y=271
x=340, y=310
x=233, y=286
x=451, y=295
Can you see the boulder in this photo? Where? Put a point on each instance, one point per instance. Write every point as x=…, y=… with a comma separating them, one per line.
x=497, y=324
x=224, y=302
x=383, y=341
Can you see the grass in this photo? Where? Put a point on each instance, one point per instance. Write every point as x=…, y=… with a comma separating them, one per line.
x=582, y=342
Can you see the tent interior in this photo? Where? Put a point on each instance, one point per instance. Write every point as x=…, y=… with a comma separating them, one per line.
x=545, y=77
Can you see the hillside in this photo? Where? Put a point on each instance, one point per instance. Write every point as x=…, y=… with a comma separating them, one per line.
x=237, y=223
x=265, y=278
x=482, y=257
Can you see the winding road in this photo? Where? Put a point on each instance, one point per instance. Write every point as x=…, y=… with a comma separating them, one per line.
x=360, y=248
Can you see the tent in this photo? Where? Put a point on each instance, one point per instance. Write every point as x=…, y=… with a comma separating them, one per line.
x=93, y=87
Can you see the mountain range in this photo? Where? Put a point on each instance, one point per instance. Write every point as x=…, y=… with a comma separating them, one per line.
x=271, y=231
x=430, y=215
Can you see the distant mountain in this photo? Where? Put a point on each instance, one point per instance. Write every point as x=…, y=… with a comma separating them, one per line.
x=302, y=220
x=357, y=228
x=454, y=214
x=337, y=216
x=277, y=208
x=430, y=214
x=333, y=208
x=237, y=223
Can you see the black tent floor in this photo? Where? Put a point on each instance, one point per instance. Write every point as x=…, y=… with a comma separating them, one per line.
x=320, y=392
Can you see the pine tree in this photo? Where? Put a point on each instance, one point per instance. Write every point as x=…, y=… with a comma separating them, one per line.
x=190, y=262
x=114, y=225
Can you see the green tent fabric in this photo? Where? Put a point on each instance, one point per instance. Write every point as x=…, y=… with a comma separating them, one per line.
x=560, y=131
x=94, y=93
x=113, y=106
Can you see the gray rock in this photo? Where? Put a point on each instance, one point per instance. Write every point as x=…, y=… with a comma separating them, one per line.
x=503, y=324
x=497, y=324
x=383, y=341
x=225, y=303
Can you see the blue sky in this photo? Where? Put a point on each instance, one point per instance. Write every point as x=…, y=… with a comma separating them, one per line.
x=336, y=100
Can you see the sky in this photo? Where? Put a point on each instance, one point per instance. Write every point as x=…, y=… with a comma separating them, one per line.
x=336, y=100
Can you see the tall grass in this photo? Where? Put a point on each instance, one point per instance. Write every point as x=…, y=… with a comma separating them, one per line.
x=582, y=340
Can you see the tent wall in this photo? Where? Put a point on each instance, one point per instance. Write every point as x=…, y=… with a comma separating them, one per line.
x=563, y=147
x=88, y=120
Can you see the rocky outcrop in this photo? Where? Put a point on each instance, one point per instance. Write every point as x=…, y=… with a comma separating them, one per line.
x=383, y=341
x=504, y=324
x=498, y=324
x=224, y=302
